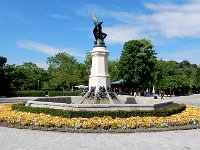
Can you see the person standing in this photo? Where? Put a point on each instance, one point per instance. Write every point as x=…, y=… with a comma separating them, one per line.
x=162, y=94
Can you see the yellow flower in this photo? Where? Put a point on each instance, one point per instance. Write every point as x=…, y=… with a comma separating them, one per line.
x=190, y=116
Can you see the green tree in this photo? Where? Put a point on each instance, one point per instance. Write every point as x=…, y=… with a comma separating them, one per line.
x=83, y=74
x=113, y=70
x=190, y=71
x=63, y=70
x=174, y=78
x=3, y=83
x=197, y=79
x=84, y=69
x=166, y=75
x=26, y=77
x=11, y=74
x=137, y=62
x=88, y=63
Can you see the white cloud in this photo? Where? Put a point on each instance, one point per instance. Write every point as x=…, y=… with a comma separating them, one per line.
x=57, y=16
x=174, y=20
x=46, y=49
x=86, y=9
x=73, y=52
x=39, y=47
x=163, y=21
x=120, y=34
x=192, y=6
x=166, y=19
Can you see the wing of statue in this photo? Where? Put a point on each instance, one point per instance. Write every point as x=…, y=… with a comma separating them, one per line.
x=94, y=18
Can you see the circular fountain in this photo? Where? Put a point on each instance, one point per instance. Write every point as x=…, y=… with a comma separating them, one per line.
x=99, y=97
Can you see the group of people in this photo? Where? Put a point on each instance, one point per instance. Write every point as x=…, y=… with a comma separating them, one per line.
x=161, y=95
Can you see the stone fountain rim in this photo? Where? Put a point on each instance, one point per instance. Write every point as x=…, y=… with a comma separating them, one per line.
x=57, y=105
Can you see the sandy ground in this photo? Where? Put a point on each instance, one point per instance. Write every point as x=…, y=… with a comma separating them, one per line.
x=24, y=139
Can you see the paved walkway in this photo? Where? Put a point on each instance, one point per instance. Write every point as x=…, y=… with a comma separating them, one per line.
x=192, y=99
x=14, y=99
x=21, y=139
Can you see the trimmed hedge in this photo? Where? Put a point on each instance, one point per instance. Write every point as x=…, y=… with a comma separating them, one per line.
x=176, y=108
x=41, y=93
x=24, y=93
x=30, y=93
x=64, y=93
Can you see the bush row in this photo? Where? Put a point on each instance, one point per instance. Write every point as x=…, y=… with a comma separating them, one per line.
x=176, y=108
x=24, y=93
x=41, y=93
x=64, y=93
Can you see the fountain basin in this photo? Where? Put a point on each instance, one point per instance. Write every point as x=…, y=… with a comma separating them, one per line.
x=72, y=103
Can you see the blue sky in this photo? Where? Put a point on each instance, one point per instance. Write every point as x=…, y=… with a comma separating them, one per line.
x=33, y=30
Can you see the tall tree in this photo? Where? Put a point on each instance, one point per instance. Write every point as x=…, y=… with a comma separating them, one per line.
x=190, y=71
x=83, y=74
x=35, y=76
x=3, y=83
x=113, y=70
x=88, y=63
x=173, y=77
x=137, y=62
x=26, y=77
x=85, y=68
x=63, y=70
x=167, y=75
x=197, y=80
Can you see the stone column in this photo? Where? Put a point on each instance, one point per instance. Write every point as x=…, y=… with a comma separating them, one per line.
x=99, y=71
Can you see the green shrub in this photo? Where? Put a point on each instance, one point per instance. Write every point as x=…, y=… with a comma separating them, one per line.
x=49, y=111
x=30, y=93
x=42, y=93
x=64, y=93
x=176, y=108
x=25, y=93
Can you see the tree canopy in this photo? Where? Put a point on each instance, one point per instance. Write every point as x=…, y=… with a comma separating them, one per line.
x=113, y=70
x=63, y=71
x=3, y=61
x=137, y=62
x=176, y=78
x=137, y=67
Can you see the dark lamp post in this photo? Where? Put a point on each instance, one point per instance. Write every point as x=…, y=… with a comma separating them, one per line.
x=38, y=85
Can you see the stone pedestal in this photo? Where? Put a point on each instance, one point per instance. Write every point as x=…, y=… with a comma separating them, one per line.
x=99, y=71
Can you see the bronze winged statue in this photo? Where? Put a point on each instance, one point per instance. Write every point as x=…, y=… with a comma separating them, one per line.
x=97, y=31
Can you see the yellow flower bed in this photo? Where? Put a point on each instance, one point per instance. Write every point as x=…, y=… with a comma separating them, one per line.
x=191, y=116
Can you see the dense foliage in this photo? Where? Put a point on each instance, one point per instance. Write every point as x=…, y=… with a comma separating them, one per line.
x=176, y=78
x=137, y=67
x=176, y=108
x=113, y=70
x=65, y=93
x=3, y=79
x=137, y=63
x=32, y=93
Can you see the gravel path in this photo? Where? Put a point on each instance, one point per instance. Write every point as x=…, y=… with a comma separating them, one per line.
x=22, y=139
